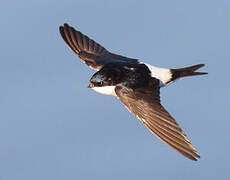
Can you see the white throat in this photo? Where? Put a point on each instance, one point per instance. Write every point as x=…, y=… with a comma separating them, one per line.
x=106, y=90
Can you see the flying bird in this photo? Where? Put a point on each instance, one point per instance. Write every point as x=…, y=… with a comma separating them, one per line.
x=136, y=84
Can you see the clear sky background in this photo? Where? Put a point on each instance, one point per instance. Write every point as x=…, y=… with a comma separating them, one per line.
x=52, y=127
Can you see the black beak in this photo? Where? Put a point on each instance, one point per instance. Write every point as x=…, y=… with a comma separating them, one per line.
x=91, y=85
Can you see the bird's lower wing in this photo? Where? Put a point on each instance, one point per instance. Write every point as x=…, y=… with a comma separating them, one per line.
x=145, y=104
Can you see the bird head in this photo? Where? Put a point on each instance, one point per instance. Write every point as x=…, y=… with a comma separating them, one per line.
x=100, y=79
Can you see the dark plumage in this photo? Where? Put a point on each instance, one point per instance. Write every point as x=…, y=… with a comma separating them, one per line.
x=128, y=74
x=137, y=85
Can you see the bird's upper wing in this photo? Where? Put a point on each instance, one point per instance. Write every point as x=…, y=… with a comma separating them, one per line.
x=92, y=53
x=144, y=103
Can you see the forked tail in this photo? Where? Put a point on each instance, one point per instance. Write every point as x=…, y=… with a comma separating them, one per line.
x=187, y=71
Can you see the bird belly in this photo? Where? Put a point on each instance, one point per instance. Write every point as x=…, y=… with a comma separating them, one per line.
x=106, y=90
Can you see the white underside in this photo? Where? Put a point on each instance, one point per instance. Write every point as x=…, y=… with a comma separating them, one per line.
x=106, y=90
x=163, y=74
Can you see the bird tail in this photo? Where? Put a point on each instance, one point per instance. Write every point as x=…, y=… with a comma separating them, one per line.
x=187, y=71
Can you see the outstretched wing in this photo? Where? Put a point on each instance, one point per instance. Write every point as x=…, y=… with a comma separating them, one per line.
x=92, y=53
x=144, y=103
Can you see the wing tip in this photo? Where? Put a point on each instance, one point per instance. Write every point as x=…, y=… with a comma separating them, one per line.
x=63, y=27
x=194, y=158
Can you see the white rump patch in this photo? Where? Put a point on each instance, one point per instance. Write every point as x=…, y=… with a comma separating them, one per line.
x=106, y=90
x=163, y=74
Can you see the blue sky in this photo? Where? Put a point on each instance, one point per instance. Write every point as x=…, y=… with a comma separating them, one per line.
x=53, y=127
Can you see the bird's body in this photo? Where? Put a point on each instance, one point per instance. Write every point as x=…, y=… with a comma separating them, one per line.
x=136, y=84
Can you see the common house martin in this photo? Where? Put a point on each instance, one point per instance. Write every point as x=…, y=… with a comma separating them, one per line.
x=136, y=84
